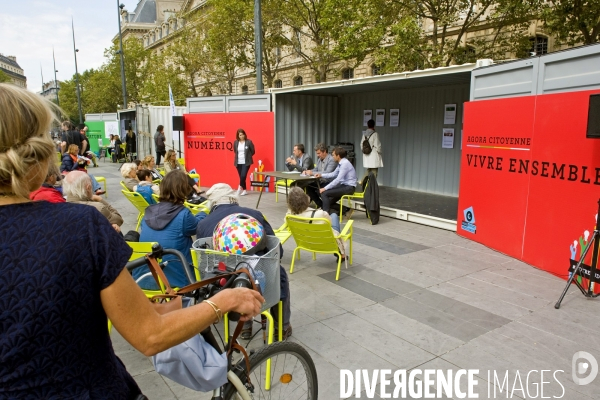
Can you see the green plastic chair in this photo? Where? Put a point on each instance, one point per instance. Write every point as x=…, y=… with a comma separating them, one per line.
x=283, y=233
x=102, y=179
x=196, y=208
x=139, y=203
x=355, y=196
x=124, y=186
x=315, y=235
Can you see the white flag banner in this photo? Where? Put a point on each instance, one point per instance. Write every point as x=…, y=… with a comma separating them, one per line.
x=171, y=102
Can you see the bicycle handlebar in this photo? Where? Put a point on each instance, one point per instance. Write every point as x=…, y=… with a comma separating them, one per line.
x=159, y=252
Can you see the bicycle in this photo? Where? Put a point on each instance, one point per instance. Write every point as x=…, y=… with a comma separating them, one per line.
x=292, y=371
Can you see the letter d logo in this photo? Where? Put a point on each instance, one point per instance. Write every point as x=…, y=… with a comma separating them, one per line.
x=581, y=367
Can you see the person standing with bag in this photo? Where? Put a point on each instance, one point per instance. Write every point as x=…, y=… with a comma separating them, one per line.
x=371, y=149
x=159, y=141
x=243, y=149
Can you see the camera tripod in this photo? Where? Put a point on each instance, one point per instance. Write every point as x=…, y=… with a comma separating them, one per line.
x=585, y=271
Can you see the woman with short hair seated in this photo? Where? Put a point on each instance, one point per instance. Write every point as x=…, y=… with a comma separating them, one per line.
x=47, y=191
x=148, y=163
x=298, y=202
x=145, y=187
x=129, y=173
x=172, y=225
x=171, y=164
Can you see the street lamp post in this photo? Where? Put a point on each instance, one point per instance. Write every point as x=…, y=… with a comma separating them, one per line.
x=258, y=46
x=124, y=87
x=77, y=74
x=55, y=82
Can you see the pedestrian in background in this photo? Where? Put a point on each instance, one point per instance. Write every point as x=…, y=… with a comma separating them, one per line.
x=244, y=150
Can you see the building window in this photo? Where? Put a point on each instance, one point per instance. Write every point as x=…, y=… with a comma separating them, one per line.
x=375, y=70
x=278, y=83
x=298, y=81
x=539, y=45
x=277, y=54
x=348, y=73
x=245, y=89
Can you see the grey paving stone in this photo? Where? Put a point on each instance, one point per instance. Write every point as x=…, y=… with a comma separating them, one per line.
x=458, y=309
x=445, y=323
x=413, y=331
x=359, y=286
x=382, y=280
x=364, y=236
x=480, y=300
x=376, y=340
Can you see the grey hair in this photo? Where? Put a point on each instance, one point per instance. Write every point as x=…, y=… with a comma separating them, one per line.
x=322, y=147
x=127, y=168
x=298, y=201
x=78, y=185
x=221, y=193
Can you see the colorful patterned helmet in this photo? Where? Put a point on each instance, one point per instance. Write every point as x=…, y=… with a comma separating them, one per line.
x=239, y=234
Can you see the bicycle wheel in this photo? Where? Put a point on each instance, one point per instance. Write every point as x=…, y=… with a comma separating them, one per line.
x=293, y=374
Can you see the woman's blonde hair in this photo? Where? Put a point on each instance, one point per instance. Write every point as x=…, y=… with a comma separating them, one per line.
x=146, y=161
x=73, y=149
x=168, y=158
x=25, y=120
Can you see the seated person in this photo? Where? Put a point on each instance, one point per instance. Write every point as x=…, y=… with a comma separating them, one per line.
x=172, y=225
x=138, y=164
x=145, y=187
x=78, y=189
x=171, y=164
x=325, y=164
x=298, y=204
x=48, y=192
x=148, y=163
x=71, y=161
x=111, y=146
x=223, y=201
x=129, y=174
x=299, y=161
x=344, y=181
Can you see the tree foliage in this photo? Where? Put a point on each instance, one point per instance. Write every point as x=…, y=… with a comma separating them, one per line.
x=573, y=21
x=4, y=77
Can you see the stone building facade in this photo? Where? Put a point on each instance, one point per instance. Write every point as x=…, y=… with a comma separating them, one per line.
x=9, y=65
x=157, y=22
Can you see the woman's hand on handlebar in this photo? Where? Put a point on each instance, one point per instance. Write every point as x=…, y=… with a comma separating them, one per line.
x=247, y=302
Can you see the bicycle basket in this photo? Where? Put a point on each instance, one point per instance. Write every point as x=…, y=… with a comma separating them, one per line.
x=268, y=264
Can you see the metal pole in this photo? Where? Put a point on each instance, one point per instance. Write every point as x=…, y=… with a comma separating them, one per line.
x=76, y=74
x=55, y=82
x=258, y=46
x=124, y=88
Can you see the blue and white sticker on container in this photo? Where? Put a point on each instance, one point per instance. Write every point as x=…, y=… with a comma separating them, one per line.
x=468, y=223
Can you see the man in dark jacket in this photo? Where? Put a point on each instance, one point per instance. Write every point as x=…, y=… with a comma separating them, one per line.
x=224, y=202
x=71, y=136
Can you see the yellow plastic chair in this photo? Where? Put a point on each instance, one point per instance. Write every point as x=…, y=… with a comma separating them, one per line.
x=155, y=197
x=59, y=155
x=282, y=183
x=102, y=179
x=181, y=162
x=196, y=208
x=140, y=249
x=283, y=233
x=139, y=203
x=124, y=186
x=315, y=235
x=195, y=176
x=355, y=196
x=161, y=170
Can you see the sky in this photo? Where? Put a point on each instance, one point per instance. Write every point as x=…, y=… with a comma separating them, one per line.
x=29, y=30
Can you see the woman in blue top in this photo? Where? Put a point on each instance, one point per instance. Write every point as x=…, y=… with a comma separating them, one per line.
x=172, y=225
x=54, y=301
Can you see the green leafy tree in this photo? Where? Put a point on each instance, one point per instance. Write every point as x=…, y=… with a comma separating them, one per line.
x=189, y=53
x=573, y=21
x=135, y=61
x=4, y=77
x=321, y=32
x=160, y=74
x=236, y=17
